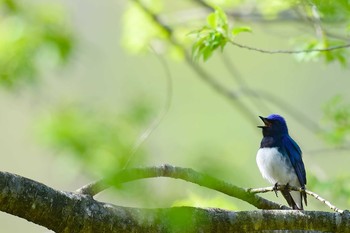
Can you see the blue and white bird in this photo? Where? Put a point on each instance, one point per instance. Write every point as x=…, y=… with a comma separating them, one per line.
x=280, y=161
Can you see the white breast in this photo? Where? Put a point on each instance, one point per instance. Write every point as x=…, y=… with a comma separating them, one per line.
x=275, y=167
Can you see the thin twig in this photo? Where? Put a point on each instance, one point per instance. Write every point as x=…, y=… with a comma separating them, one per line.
x=298, y=115
x=324, y=150
x=290, y=51
x=161, y=115
x=293, y=188
x=257, y=102
x=221, y=89
x=321, y=199
x=251, y=15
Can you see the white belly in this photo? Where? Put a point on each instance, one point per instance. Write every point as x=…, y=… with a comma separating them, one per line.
x=275, y=167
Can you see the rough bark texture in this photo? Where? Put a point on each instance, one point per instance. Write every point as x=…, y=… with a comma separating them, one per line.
x=72, y=212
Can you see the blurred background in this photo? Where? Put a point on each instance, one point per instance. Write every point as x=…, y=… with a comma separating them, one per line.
x=82, y=81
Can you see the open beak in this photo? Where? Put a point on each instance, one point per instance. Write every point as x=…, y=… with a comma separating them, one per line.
x=266, y=122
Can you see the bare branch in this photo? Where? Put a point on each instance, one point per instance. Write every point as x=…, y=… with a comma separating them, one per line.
x=293, y=188
x=321, y=199
x=186, y=174
x=290, y=51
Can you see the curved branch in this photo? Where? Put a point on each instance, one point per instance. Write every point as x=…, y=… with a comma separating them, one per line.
x=186, y=174
x=70, y=212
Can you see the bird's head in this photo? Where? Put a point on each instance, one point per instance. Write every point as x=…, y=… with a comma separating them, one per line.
x=274, y=125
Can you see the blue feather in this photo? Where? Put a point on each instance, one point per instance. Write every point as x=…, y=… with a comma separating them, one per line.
x=294, y=153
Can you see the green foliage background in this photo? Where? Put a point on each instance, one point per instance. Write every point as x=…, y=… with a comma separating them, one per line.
x=80, y=85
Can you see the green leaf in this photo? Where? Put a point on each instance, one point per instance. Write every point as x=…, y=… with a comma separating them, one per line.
x=139, y=30
x=221, y=16
x=212, y=36
x=238, y=30
x=211, y=20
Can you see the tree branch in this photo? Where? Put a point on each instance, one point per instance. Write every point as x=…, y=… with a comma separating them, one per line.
x=186, y=174
x=290, y=51
x=70, y=212
x=293, y=188
x=201, y=179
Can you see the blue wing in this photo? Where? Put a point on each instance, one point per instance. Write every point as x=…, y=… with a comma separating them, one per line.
x=294, y=154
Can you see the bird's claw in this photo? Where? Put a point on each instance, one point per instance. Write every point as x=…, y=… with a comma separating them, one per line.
x=287, y=187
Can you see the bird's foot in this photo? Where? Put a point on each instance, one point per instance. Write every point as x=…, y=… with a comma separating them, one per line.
x=275, y=189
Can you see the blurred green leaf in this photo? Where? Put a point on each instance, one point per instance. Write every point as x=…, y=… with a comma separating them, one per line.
x=337, y=115
x=139, y=29
x=238, y=30
x=31, y=34
x=224, y=3
x=335, y=189
x=212, y=20
x=337, y=55
x=102, y=141
x=332, y=11
x=272, y=8
x=198, y=201
x=179, y=220
x=8, y=5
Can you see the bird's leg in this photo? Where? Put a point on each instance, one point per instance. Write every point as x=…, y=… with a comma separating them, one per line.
x=275, y=189
x=286, y=187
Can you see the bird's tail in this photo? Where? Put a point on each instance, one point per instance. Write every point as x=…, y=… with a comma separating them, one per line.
x=286, y=194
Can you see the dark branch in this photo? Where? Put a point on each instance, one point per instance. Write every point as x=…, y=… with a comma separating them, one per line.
x=71, y=212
